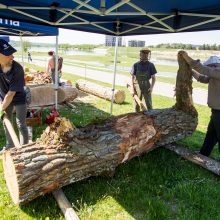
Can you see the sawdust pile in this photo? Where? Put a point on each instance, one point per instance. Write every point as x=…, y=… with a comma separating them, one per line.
x=57, y=133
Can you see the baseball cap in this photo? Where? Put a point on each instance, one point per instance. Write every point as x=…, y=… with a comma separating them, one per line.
x=212, y=60
x=6, y=49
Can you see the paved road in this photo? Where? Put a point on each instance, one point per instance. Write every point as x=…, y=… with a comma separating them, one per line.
x=163, y=89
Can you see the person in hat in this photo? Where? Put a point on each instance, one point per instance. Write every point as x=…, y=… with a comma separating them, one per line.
x=208, y=72
x=12, y=94
x=143, y=79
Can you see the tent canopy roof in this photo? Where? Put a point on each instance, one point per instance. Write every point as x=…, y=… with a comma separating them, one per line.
x=117, y=17
x=18, y=28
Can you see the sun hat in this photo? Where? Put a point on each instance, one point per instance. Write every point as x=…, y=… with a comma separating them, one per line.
x=145, y=50
x=212, y=60
x=6, y=49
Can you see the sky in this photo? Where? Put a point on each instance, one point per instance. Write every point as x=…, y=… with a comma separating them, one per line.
x=78, y=37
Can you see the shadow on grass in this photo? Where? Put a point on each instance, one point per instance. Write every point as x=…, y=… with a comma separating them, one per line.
x=157, y=185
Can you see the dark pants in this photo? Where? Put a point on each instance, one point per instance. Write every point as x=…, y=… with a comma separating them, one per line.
x=213, y=134
x=52, y=75
x=21, y=112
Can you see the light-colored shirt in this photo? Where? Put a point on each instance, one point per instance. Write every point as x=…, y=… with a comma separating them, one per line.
x=213, y=75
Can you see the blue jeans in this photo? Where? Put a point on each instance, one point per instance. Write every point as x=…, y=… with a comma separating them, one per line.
x=21, y=112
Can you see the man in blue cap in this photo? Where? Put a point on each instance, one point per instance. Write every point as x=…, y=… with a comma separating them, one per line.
x=12, y=94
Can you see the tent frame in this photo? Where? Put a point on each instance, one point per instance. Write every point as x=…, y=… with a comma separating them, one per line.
x=102, y=11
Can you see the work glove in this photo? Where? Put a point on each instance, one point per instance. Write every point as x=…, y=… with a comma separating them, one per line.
x=2, y=113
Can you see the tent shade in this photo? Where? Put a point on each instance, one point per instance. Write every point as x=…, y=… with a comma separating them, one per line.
x=18, y=28
x=117, y=17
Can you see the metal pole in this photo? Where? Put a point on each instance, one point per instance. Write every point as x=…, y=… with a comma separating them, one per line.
x=56, y=74
x=85, y=71
x=22, y=51
x=115, y=64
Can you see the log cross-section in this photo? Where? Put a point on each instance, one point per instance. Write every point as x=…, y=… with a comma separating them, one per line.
x=65, y=154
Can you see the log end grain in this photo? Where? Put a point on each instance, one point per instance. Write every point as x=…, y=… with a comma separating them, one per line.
x=119, y=96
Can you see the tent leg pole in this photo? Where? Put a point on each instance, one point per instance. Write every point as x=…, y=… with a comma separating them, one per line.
x=115, y=66
x=56, y=75
x=22, y=51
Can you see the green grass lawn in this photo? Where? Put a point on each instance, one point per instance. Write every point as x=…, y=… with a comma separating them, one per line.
x=125, y=60
x=157, y=185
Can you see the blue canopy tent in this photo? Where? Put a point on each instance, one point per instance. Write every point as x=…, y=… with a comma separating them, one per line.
x=18, y=28
x=6, y=38
x=117, y=17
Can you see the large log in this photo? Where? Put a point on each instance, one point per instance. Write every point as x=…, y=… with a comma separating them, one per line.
x=65, y=154
x=70, y=93
x=100, y=91
x=44, y=95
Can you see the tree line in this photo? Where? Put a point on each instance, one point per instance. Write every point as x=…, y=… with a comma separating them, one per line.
x=186, y=46
x=27, y=45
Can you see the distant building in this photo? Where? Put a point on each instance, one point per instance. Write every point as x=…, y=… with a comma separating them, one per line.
x=110, y=41
x=136, y=43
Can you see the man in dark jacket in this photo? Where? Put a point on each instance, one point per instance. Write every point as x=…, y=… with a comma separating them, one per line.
x=12, y=94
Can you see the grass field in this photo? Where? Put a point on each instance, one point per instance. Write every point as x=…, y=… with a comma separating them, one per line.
x=156, y=186
x=126, y=58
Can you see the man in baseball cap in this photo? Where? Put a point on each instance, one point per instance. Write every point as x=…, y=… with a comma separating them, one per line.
x=209, y=73
x=12, y=94
x=6, y=49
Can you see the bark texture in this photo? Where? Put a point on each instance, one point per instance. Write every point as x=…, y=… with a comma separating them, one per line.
x=65, y=154
x=184, y=88
x=101, y=91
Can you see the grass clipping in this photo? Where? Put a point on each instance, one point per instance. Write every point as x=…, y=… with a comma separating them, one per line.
x=56, y=133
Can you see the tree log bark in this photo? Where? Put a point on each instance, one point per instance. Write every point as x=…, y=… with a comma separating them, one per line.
x=65, y=154
x=100, y=91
